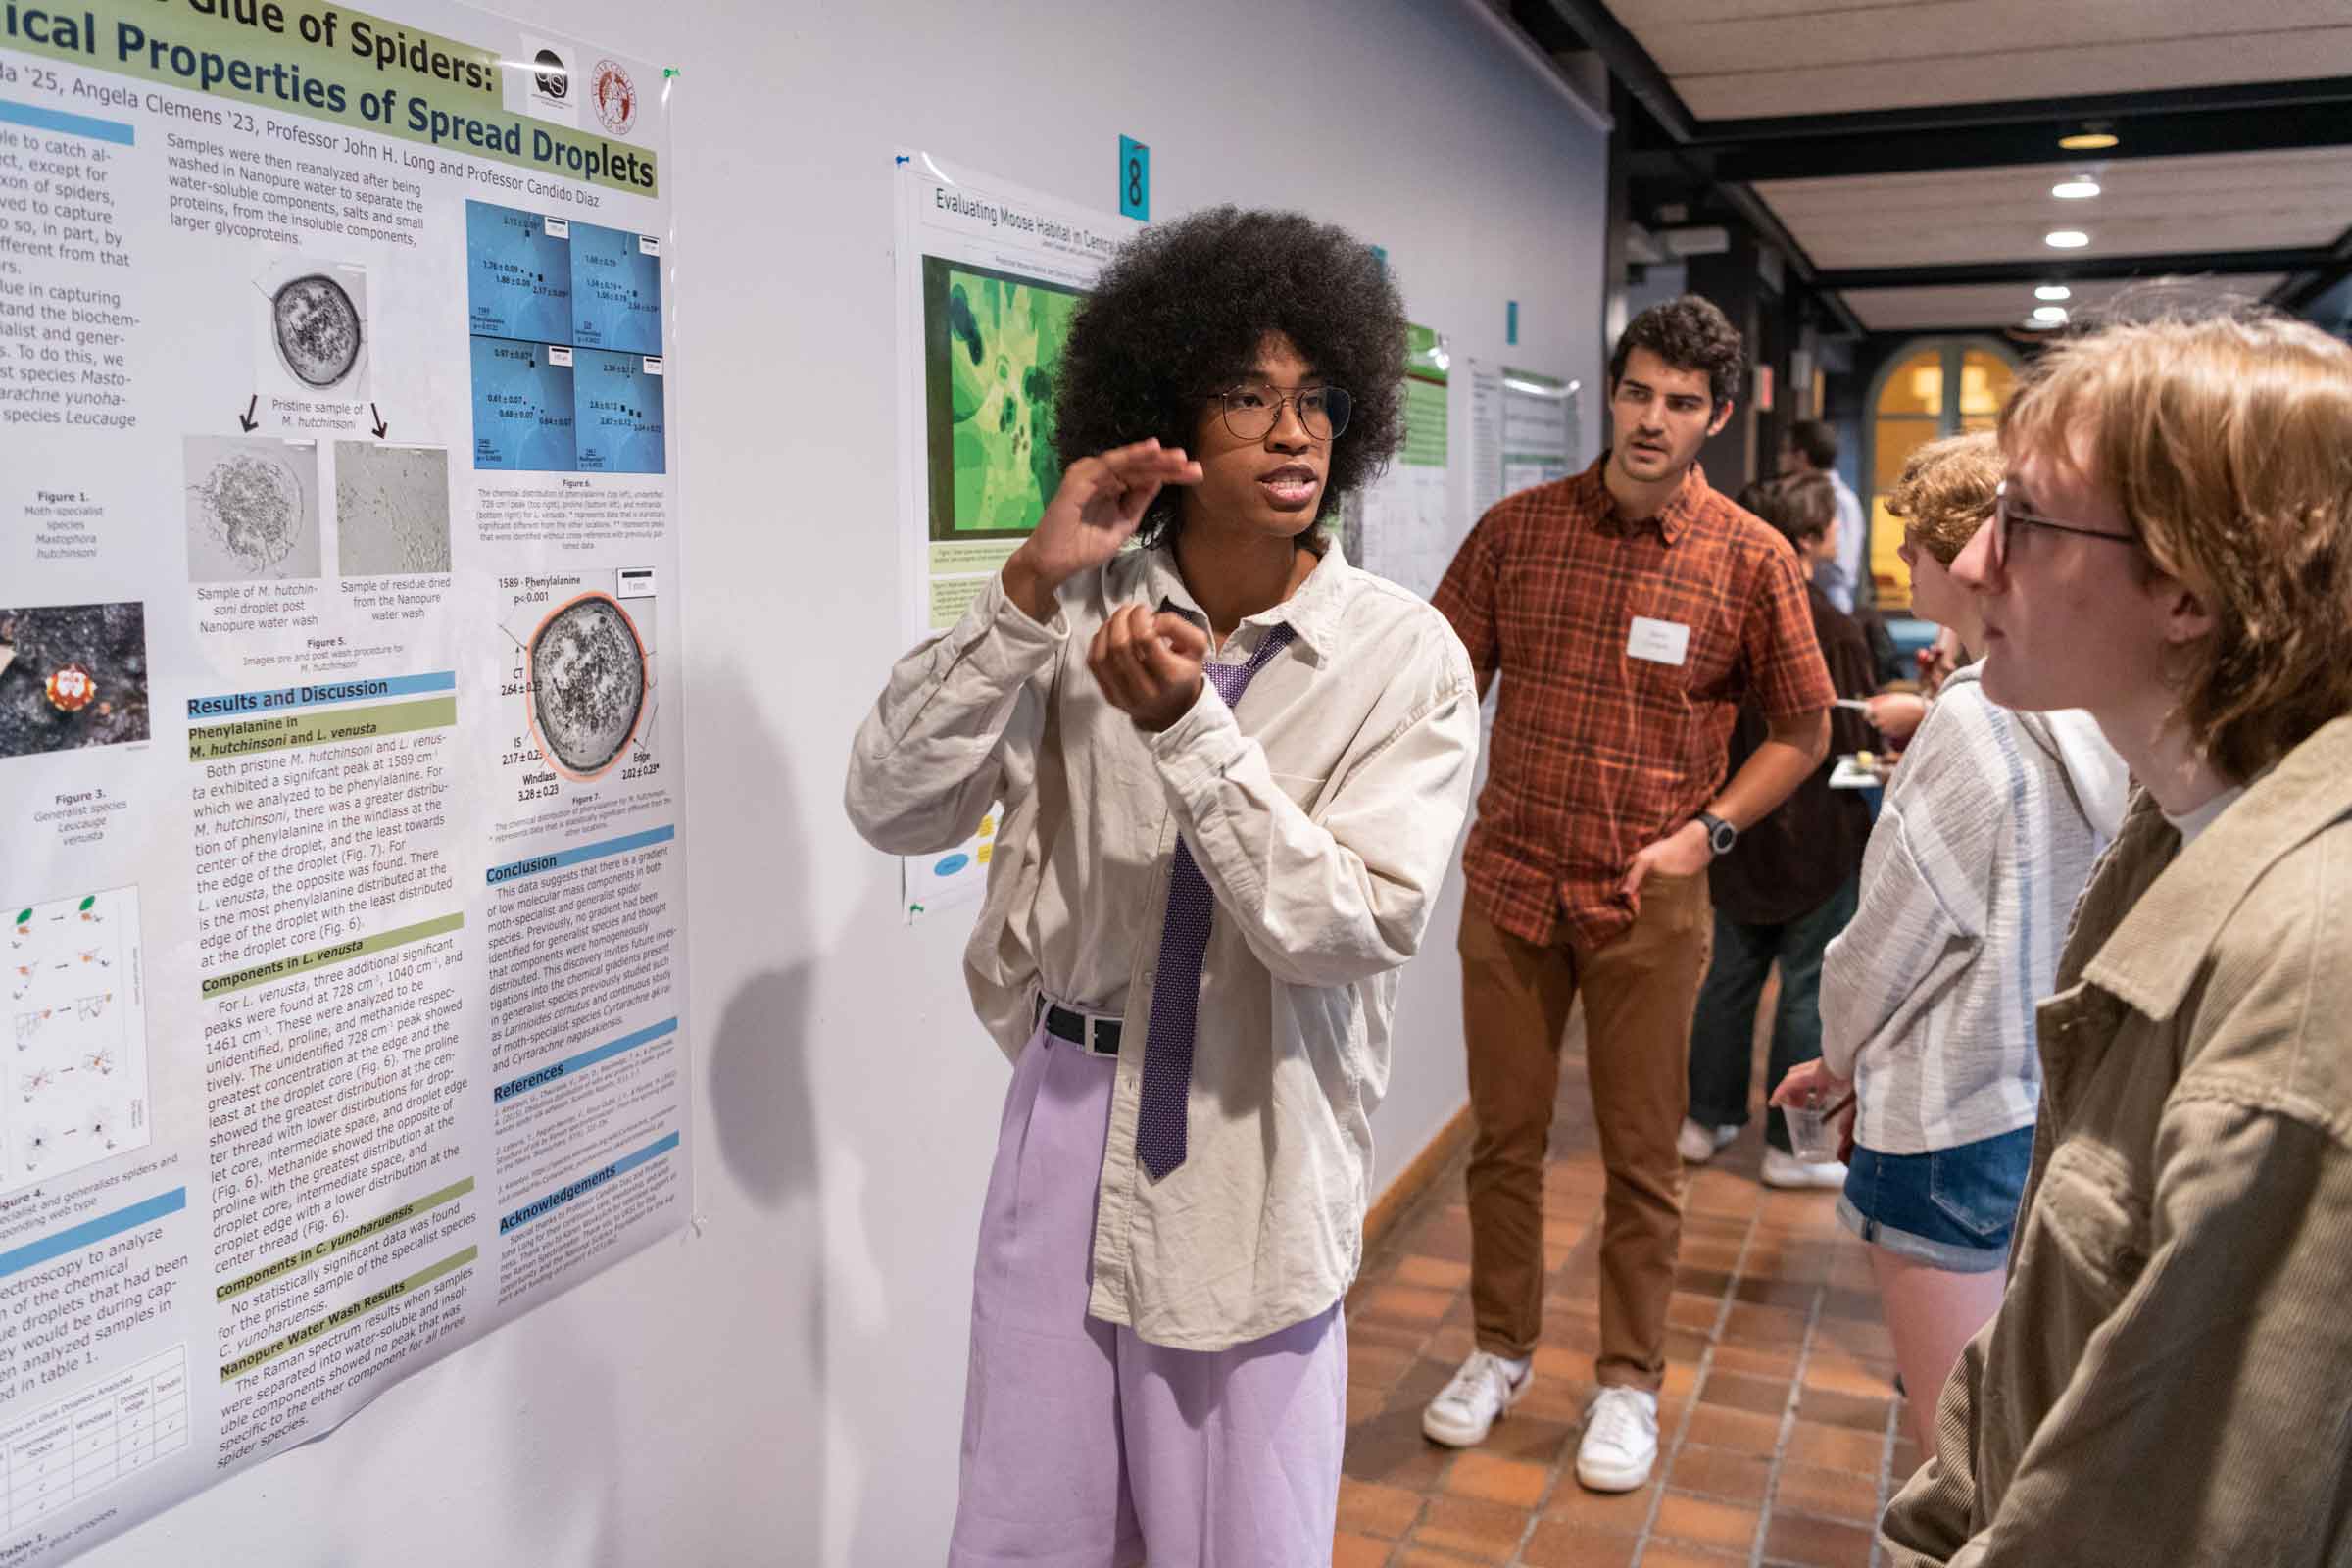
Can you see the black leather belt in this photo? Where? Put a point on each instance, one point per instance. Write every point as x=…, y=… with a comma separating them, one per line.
x=1077, y=1028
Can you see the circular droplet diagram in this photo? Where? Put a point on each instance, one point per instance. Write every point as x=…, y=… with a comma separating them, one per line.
x=252, y=506
x=587, y=678
x=317, y=329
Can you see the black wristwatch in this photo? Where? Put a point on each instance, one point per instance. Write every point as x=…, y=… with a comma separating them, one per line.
x=1721, y=835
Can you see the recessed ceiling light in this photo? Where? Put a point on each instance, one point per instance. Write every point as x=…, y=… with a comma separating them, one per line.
x=2066, y=239
x=2050, y=315
x=2053, y=291
x=2075, y=189
x=2089, y=141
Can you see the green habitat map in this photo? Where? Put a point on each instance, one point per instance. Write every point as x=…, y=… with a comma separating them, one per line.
x=994, y=343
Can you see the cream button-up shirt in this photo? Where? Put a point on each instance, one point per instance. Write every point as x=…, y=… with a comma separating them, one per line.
x=1323, y=813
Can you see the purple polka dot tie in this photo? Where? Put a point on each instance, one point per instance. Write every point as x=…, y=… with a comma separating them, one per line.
x=1159, y=1128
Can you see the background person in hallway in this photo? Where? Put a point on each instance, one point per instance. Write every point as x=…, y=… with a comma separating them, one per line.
x=1629, y=610
x=1988, y=834
x=1845, y=578
x=1233, y=770
x=2169, y=1379
x=1787, y=886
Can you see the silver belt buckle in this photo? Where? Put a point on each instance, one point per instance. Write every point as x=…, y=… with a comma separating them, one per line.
x=1090, y=1023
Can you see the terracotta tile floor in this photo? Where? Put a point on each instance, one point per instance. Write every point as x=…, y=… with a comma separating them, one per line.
x=1780, y=1432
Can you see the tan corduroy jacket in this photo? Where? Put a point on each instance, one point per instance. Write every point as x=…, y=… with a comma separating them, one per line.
x=2169, y=1380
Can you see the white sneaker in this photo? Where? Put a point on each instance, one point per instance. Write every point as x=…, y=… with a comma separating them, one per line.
x=1786, y=1170
x=1619, y=1441
x=1698, y=1145
x=1461, y=1417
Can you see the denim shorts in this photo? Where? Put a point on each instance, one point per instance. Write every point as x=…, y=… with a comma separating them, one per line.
x=1951, y=1209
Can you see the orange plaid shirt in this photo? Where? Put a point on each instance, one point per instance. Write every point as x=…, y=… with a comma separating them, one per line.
x=1596, y=752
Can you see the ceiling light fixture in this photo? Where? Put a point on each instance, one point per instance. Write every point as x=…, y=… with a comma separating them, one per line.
x=2066, y=239
x=2053, y=291
x=2050, y=315
x=2089, y=141
x=2075, y=189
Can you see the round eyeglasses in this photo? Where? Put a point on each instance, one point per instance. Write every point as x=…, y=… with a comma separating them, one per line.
x=1253, y=410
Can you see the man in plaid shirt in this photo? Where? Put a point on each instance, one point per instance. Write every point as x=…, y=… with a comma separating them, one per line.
x=1630, y=609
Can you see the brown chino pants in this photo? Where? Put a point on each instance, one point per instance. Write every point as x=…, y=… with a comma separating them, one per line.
x=1640, y=992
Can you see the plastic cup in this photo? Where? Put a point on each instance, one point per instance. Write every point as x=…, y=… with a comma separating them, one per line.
x=1812, y=1130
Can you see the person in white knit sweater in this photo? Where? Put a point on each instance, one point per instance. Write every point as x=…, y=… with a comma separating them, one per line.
x=1989, y=832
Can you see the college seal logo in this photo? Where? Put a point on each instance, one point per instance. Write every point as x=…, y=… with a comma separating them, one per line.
x=614, y=96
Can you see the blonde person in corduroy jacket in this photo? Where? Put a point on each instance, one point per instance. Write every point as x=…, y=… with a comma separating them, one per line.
x=2169, y=1379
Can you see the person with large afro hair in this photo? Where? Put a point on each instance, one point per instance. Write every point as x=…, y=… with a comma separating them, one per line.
x=1227, y=771
x=1182, y=312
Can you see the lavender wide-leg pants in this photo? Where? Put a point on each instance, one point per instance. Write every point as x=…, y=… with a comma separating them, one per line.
x=1086, y=1447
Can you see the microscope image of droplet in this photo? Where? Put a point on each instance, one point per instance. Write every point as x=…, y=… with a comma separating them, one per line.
x=317, y=329
x=255, y=511
x=588, y=678
x=251, y=509
x=391, y=509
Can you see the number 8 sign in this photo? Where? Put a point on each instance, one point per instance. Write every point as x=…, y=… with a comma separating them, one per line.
x=1135, y=179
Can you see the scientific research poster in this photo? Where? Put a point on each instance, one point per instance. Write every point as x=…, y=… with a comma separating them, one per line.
x=344, y=952
x=1406, y=524
x=1523, y=431
x=990, y=277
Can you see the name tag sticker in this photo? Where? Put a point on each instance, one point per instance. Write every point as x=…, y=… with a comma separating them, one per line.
x=1662, y=642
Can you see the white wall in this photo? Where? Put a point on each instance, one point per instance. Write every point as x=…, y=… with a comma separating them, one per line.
x=786, y=1387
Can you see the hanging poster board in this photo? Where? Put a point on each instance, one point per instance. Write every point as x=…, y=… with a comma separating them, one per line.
x=990, y=275
x=345, y=951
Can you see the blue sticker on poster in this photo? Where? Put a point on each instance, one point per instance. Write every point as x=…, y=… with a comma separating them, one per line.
x=517, y=275
x=620, y=397
x=616, y=289
x=522, y=405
